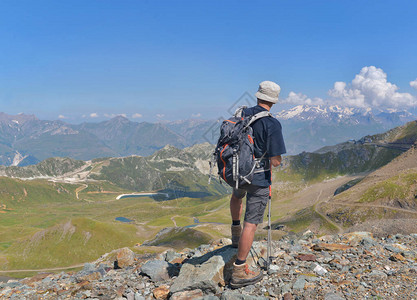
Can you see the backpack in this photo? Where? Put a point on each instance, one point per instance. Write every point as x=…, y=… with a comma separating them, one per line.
x=234, y=153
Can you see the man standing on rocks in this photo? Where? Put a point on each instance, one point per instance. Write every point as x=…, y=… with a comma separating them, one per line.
x=269, y=143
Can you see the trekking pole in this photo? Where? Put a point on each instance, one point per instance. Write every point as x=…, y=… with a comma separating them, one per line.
x=269, y=257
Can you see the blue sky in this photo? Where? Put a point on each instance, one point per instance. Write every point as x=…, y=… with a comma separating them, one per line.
x=167, y=60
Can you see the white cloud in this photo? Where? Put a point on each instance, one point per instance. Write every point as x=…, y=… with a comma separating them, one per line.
x=197, y=115
x=299, y=98
x=414, y=84
x=93, y=115
x=160, y=116
x=62, y=117
x=136, y=115
x=348, y=97
x=370, y=88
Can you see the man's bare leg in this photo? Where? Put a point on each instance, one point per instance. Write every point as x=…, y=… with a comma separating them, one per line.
x=246, y=240
x=236, y=212
x=236, y=207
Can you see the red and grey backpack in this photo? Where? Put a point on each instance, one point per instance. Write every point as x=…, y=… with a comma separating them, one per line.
x=234, y=153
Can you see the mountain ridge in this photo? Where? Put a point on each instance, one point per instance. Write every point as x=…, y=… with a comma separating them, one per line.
x=25, y=140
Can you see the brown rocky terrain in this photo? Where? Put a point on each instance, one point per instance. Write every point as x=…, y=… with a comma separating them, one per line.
x=346, y=266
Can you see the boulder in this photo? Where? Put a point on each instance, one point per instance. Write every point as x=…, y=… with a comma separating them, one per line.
x=125, y=258
x=206, y=272
x=157, y=270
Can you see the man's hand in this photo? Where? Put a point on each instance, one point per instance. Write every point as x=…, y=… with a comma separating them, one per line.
x=276, y=160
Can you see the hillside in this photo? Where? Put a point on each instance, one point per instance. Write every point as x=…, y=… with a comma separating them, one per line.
x=51, y=167
x=353, y=185
x=364, y=155
x=385, y=199
x=169, y=170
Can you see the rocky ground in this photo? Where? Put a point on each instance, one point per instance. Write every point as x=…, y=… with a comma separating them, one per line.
x=348, y=266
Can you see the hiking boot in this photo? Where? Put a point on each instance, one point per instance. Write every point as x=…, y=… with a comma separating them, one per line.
x=243, y=275
x=236, y=232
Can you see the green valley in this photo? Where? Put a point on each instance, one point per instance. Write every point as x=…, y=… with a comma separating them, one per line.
x=62, y=212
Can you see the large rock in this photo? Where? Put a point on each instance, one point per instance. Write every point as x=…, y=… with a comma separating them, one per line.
x=125, y=257
x=159, y=270
x=206, y=272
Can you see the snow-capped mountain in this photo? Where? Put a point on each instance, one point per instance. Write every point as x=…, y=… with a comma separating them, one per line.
x=337, y=114
x=306, y=112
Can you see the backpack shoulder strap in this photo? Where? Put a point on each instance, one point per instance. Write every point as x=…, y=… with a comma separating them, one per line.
x=258, y=116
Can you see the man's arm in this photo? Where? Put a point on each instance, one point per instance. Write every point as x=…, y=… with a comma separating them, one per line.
x=276, y=160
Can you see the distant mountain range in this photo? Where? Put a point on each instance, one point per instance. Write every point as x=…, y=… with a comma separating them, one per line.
x=26, y=140
x=307, y=128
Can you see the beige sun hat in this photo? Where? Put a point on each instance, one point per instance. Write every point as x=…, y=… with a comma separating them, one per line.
x=268, y=91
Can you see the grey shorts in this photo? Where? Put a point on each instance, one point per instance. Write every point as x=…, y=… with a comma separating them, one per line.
x=256, y=201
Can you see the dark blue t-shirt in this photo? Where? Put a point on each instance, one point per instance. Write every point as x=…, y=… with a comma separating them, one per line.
x=267, y=133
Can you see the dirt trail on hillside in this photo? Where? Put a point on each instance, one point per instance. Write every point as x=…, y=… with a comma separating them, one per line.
x=79, y=189
x=311, y=195
x=319, y=200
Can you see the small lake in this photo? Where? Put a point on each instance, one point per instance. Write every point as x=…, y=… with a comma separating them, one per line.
x=155, y=196
x=124, y=220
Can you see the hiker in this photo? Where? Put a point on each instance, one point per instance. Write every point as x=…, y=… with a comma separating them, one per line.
x=268, y=145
